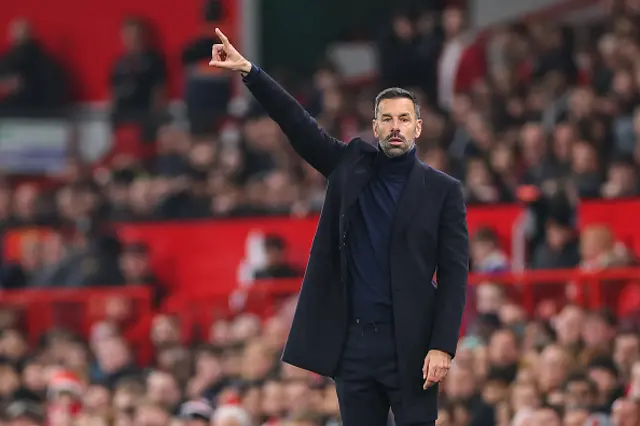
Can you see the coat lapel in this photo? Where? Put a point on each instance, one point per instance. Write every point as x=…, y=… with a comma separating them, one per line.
x=411, y=199
x=359, y=176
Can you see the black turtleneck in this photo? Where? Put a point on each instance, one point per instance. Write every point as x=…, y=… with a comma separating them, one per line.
x=369, y=238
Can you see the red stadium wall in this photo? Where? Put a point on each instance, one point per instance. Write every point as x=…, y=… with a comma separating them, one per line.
x=205, y=256
x=85, y=37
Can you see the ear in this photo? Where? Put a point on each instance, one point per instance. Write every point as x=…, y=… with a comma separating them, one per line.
x=374, y=124
x=418, y=128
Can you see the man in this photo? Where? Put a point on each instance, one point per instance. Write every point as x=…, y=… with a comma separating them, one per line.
x=370, y=314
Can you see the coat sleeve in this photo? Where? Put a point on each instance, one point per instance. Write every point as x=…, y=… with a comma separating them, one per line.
x=452, y=272
x=309, y=140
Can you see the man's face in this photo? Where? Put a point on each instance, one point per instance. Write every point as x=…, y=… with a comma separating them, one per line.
x=396, y=126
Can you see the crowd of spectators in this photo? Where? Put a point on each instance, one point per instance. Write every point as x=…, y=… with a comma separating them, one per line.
x=548, y=118
x=567, y=366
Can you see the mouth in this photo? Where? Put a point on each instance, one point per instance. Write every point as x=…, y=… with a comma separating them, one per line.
x=396, y=142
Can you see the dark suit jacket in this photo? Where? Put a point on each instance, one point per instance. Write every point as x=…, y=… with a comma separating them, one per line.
x=429, y=236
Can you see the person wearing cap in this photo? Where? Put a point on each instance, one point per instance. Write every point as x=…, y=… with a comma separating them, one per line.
x=196, y=413
x=64, y=391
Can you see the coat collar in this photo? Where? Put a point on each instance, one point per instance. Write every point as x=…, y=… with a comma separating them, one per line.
x=410, y=200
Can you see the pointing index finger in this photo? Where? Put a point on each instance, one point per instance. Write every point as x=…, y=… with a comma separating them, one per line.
x=222, y=37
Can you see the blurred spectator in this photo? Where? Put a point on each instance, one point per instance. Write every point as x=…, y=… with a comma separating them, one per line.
x=277, y=265
x=599, y=250
x=486, y=254
x=138, y=77
x=30, y=80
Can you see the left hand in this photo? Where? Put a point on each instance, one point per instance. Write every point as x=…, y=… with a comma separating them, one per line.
x=435, y=368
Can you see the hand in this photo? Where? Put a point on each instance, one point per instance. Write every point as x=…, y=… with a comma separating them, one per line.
x=435, y=368
x=227, y=57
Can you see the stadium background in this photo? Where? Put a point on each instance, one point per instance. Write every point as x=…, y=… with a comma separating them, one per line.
x=155, y=224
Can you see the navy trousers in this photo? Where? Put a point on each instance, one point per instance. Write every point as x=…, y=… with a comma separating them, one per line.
x=367, y=379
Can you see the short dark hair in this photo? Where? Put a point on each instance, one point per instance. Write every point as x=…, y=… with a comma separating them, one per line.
x=486, y=234
x=395, y=93
x=581, y=377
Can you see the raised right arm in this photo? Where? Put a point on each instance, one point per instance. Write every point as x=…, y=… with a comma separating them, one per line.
x=312, y=143
x=308, y=139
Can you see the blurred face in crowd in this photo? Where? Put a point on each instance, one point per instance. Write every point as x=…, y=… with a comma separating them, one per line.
x=524, y=396
x=532, y=143
x=563, y=139
x=553, y=368
x=163, y=389
x=575, y=417
x=135, y=264
x=150, y=415
x=97, y=399
x=396, y=125
x=126, y=398
x=165, y=331
x=545, y=417
x=623, y=83
x=437, y=158
x=208, y=367
x=597, y=333
x=480, y=131
x=251, y=402
x=478, y=174
x=625, y=413
x=626, y=351
x=568, y=325
x=461, y=384
x=579, y=393
x=33, y=376
x=9, y=380
x=605, y=381
x=112, y=354
x=24, y=201
x=489, y=298
x=275, y=332
x=581, y=103
x=453, y=21
x=495, y=391
x=512, y=315
x=584, y=158
x=19, y=31
x=273, y=399
x=297, y=395
x=13, y=345
x=402, y=27
x=557, y=235
x=142, y=197
x=502, y=159
x=503, y=349
x=245, y=327
x=132, y=36
x=257, y=362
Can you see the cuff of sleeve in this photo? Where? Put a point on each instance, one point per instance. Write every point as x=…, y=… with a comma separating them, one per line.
x=255, y=70
x=452, y=353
